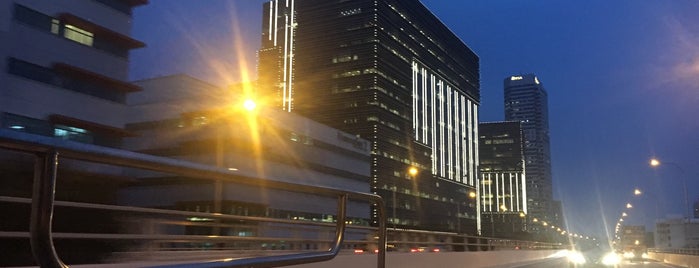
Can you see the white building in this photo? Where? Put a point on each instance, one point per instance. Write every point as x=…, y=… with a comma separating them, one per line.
x=181, y=117
x=676, y=234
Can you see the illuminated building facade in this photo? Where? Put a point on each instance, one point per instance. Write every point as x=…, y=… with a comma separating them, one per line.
x=503, y=188
x=390, y=72
x=526, y=101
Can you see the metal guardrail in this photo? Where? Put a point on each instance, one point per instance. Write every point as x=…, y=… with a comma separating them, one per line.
x=49, y=151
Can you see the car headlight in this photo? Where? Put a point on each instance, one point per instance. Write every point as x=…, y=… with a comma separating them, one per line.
x=611, y=258
x=576, y=257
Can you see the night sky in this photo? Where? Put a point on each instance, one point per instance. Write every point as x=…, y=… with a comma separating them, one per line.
x=622, y=78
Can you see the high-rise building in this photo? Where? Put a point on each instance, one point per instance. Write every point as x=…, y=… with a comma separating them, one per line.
x=526, y=101
x=503, y=188
x=388, y=71
x=696, y=209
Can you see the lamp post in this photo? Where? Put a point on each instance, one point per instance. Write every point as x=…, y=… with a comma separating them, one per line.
x=395, y=188
x=412, y=172
x=654, y=162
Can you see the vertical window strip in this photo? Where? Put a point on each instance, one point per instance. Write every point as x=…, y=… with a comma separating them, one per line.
x=290, y=48
x=433, y=124
x=425, y=111
x=271, y=21
x=458, y=138
x=464, y=141
x=524, y=191
x=497, y=192
x=513, y=194
x=475, y=138
x=450, y=136
x=416, y=112
x=470, y=144
x=442, y=104
x=285, y=70
x=276, y=20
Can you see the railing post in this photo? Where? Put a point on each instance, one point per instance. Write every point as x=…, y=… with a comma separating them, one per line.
x=381, y=262
x=45, y=168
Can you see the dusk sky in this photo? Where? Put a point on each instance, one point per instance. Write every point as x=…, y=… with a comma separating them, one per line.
x=622, y=78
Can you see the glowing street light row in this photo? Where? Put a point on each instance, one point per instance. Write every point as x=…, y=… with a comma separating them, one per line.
x=562, y=231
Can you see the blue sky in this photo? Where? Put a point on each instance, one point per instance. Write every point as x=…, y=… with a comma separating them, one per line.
x=622, y=78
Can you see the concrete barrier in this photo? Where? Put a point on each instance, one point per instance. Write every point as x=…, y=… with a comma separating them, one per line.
x=442, y=259
x=689, y=261
x=479, y=259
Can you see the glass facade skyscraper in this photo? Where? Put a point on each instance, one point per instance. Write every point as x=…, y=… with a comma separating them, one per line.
x=526, y=101
x=390, y=72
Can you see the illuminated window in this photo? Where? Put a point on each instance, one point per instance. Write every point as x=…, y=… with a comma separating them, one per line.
x=345, y=58
x=294, y=137
x=73, y=134
x=55, y=26
x=200, y=120
x=78, y=35
x=350, y=12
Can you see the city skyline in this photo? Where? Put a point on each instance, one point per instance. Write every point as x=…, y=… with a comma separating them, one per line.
x=624, y=74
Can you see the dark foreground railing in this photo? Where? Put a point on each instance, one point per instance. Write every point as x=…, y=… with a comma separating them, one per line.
x=49, y=152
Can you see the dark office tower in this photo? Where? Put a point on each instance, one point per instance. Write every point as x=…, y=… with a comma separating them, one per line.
x=388, y=71
x=696, y=209
x=526, y=101
x=503, y=189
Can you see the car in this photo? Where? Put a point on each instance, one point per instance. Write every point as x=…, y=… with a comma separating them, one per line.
x=425, y=249
x=596, y=257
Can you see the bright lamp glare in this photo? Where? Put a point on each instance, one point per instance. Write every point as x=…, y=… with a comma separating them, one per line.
x=576, y=257
x=654, y=162
x=611, y=258
x=249, y=105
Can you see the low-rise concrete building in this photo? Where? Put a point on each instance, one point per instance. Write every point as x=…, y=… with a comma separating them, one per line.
x=677, y=234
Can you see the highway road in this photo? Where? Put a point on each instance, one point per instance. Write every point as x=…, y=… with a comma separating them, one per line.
x=563, y=262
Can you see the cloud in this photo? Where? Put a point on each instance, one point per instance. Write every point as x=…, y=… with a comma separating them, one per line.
x=684, y=53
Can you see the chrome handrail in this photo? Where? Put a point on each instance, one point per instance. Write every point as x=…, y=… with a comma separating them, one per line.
x=49, y=149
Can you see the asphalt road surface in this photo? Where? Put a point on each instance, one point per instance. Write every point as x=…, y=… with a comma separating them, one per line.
x=563, y=262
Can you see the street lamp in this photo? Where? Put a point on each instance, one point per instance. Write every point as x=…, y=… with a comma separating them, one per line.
x=637, y=192
x=249, y=105
x=412, y=171
x=654, y=162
